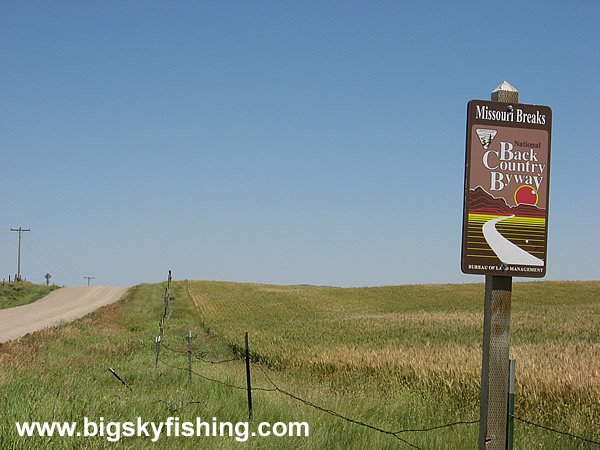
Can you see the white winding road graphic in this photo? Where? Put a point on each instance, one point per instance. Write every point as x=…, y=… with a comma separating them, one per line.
x=506, y=251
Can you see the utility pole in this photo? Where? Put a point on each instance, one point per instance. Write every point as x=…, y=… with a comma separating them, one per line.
x=90, y=278
x=20, y=231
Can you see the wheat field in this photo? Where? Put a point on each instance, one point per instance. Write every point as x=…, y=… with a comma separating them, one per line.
x=425, y=337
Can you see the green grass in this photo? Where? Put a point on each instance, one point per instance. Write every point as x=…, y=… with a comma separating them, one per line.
x=396, y=358
x=21, y=293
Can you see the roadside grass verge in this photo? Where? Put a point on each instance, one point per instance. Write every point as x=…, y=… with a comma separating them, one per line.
x=19, y=293
x=397, y=358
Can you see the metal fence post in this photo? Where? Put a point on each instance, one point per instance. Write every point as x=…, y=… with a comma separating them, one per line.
x=158, y=339
x=248, y=377
x=511, y=407
x=190, y=353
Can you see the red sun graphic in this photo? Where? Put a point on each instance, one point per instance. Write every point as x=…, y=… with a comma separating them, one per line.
x=527, y=195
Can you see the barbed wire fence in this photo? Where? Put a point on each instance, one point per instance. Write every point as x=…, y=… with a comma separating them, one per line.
x=564, y=433
x=275, y=388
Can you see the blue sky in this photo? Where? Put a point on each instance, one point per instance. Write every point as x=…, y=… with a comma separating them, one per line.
x=278, y=142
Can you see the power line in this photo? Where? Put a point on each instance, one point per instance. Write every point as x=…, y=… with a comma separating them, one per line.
x=47, y=257
x=89, y=278
x=20, y=230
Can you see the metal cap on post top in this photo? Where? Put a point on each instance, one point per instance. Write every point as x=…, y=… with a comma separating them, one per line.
x=505, y=93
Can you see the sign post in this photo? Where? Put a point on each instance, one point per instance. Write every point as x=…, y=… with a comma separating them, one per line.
x=505, y=228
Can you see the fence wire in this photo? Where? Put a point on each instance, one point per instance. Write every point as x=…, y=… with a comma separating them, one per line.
x=276, y=388
x=555, y=431
x=200, y=358
x=232, y=386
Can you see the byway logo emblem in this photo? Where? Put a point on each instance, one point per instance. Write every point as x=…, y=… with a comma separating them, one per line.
x=486, y=136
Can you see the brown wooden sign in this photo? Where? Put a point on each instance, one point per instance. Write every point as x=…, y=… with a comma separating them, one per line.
x=507, y=169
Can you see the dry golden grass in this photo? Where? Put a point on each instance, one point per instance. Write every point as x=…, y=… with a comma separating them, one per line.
x=427, y=335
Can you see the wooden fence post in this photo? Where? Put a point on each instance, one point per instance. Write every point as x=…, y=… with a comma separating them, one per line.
x=496, y=340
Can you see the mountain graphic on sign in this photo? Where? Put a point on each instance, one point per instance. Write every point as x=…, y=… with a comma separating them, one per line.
x=486, y=136
x=481, y=202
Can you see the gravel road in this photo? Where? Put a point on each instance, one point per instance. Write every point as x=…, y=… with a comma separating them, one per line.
x=63, y=305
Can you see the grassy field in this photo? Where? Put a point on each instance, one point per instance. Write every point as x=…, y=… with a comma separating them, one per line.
x=396, y=358
x=21, y=293
x=398, y=342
